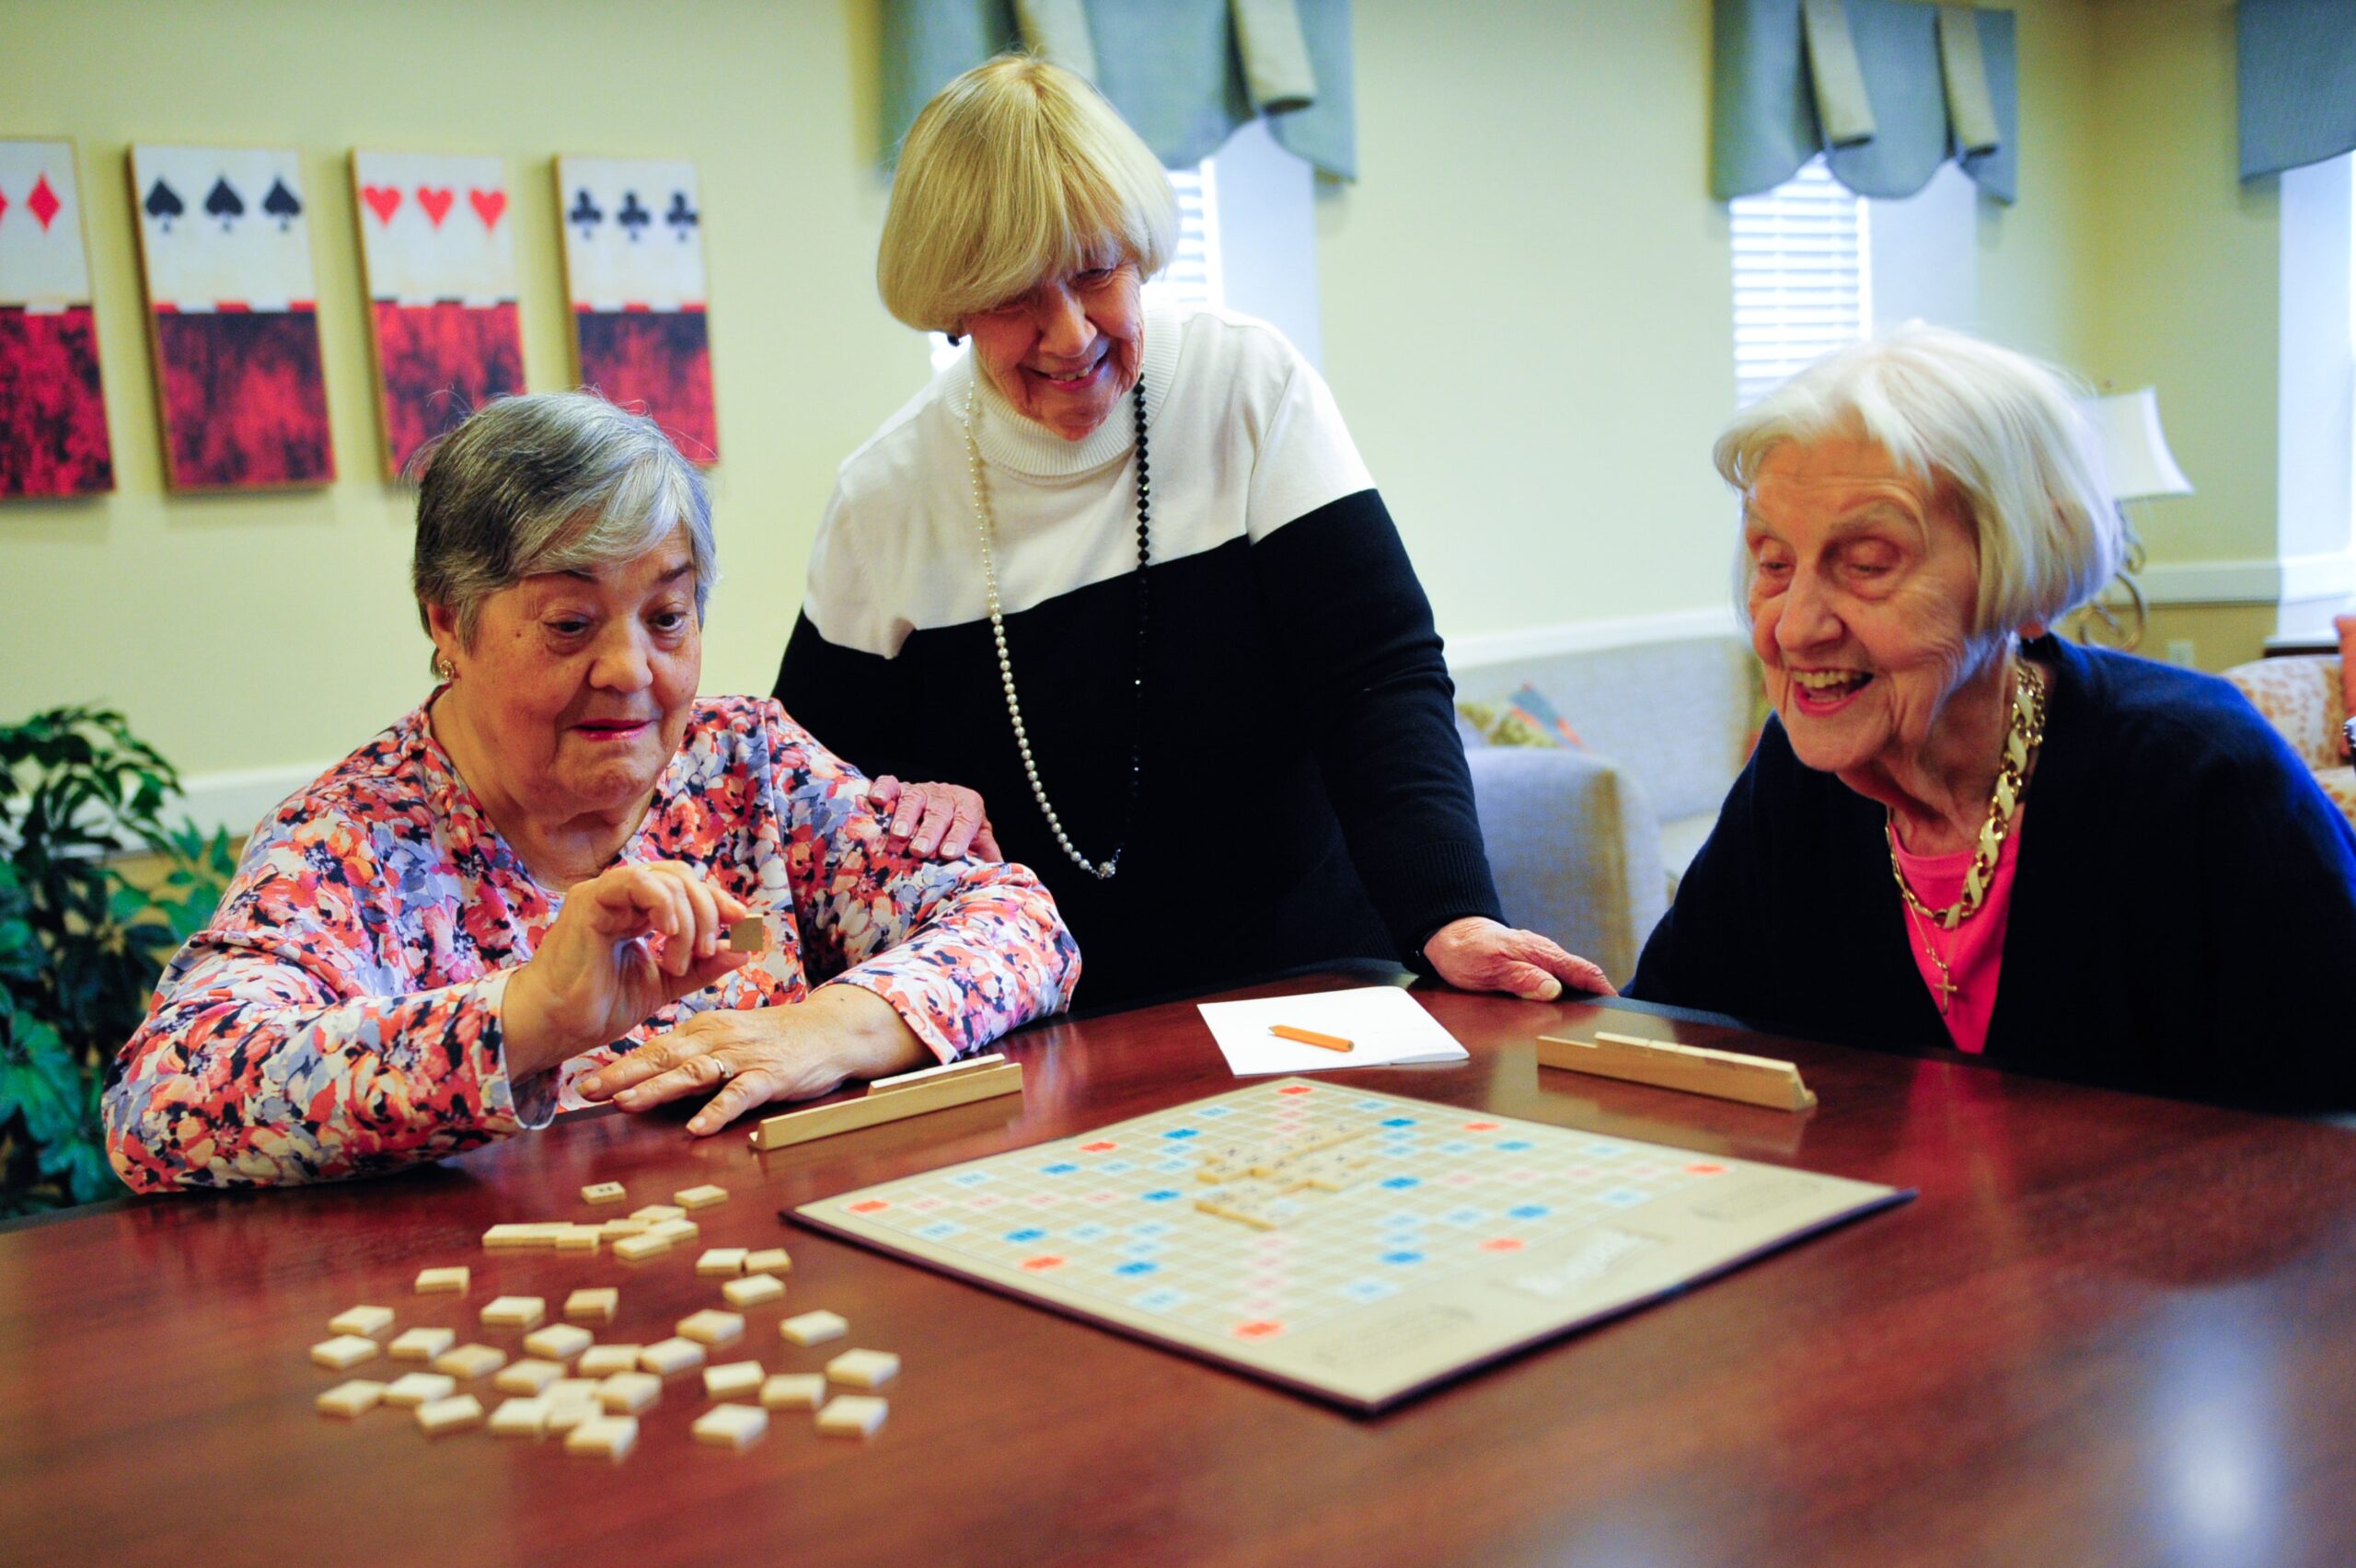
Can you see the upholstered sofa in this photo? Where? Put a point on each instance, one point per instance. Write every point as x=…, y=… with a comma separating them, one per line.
x=1587, y=841
x=2301, y=697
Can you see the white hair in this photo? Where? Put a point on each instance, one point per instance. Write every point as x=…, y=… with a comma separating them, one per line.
x=2008, y=434
x=1016, y=171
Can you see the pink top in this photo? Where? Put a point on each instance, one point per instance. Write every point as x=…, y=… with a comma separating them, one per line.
x=1974, y=949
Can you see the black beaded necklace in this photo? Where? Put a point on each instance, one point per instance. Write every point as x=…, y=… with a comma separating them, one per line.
x=1103, y=871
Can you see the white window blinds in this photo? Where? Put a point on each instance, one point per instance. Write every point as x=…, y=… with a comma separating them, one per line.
x=1193, y=276
x=1803, y=277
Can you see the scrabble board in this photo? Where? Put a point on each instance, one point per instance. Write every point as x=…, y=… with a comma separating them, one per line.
x=1346, y=1244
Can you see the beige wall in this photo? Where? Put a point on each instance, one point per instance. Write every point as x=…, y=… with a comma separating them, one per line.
x=2182, y=294
x=245, y=633
x=1527, y=317
x=1525, y=306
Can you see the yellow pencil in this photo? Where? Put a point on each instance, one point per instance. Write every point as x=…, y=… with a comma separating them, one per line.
x=1310, y=1037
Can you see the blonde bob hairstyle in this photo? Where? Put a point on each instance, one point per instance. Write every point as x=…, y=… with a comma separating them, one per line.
x=2004, y=433
x=1016, y=171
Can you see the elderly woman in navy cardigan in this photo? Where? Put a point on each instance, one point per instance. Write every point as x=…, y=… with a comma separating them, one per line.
x=1961, y=833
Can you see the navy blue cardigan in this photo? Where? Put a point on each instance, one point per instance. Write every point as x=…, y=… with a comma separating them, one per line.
x=2183, y=919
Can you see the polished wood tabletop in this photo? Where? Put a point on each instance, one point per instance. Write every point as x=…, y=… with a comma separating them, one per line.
x=2112, y=1330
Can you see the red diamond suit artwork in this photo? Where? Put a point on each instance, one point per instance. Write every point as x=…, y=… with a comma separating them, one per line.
x=224, y=238
x=633, y=265
x=437, y=242
x=52, y=408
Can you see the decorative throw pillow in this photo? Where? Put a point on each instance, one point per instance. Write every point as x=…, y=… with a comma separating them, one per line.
x=1532, y=705
x=1525, y=718
x=2345, y=626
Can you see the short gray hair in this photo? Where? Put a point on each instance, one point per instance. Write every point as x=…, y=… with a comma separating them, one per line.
x=1016, y=170
x=2010, y=434
x=554, y=481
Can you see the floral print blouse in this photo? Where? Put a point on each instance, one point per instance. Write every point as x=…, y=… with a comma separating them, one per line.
x=341, y=1015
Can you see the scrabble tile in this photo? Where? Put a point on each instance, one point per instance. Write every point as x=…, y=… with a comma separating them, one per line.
x=865, y=1369
x=726, y=1382
x=366, y=1322
x=604, y=1360
x=520, y=1418
x=564, y=1415
x=449, y=1415
x=671, y=1356
x=419, y=1389
x=349, y=1400
x=813, y=1328
x=510, y=1238
x=672, y=1231
x=699, y=1197
x=572, y=1388
x=614, y=1230
x=655, y=1214
x=603, y=1193
x=712, y=1326
x=728, y=1262
x=558, y=1342
x=627, y=1393
x=608, y=1438
x=794, y=1390
x=736, y=1426
x=853, y=1415
x=516, y=1312
x=595, y=1305
x=753, y=1290
x=470, y=1361
x=422, y=1345
x=631, y=1249
x=528, y=1378
x=436, y=1282
x=769, y=1261
x=580, y=1239
x=345, y=1351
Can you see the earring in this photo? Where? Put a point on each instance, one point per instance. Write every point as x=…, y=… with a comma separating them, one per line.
x=444, y=671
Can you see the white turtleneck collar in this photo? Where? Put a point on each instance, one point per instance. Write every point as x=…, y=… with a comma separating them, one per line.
x=1011, y=440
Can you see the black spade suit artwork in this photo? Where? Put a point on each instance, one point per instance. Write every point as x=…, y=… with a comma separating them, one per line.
x=234, y=316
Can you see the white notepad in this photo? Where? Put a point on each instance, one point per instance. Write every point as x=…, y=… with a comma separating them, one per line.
x=1385, y=1026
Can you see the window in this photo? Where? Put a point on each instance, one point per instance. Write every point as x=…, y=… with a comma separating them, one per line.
x=1803, y=277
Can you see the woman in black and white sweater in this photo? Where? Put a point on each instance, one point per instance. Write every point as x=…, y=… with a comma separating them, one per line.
x=1122, y=571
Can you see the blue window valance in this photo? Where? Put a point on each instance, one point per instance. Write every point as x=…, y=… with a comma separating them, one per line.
x=1888, y=90
x=1184, y=72
x=2296, y=74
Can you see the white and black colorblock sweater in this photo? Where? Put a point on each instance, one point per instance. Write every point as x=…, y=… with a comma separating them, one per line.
x=1303, y=794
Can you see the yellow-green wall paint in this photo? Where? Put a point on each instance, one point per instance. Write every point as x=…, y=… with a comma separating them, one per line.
x=1525, y=303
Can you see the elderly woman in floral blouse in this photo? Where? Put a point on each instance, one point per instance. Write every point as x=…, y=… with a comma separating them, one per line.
x=517, y=900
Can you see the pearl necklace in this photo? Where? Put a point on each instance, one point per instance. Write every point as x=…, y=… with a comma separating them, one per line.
x=985, y=528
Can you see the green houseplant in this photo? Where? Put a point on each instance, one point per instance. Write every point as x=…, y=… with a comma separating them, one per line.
x=82, y=942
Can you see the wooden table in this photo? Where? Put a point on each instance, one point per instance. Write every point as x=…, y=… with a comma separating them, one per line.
x=2112, y=1330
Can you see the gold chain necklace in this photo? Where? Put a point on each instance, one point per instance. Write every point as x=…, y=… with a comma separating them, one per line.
x=2022, y=739
x=2021, y=743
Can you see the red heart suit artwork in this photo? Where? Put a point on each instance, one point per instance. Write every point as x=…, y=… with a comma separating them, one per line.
x=52, y=408
x=439, y=251
x=225, y=243
x=633, y=264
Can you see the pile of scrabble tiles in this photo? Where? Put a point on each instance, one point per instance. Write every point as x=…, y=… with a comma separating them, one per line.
x=568, y=1384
